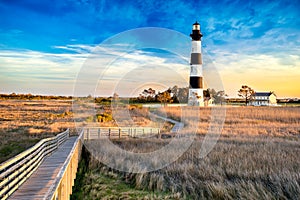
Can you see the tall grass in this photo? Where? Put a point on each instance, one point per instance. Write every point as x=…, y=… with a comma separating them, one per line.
x=24, y=123
x=268, y=121
x=244, y=168
x=95, y=181
x=256, y=157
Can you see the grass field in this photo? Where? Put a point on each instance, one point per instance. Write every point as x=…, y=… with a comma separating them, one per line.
x=95, y=181
x=254, y=121
x=24, y=123
x=256, y=157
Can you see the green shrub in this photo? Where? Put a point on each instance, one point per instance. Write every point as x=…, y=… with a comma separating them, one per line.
x=104, y=117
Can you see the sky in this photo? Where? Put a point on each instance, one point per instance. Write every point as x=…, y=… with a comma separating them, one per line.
x=45, y=45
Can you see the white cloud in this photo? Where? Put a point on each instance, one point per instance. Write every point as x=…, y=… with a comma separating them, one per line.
x=32, y=71
x=103, y=69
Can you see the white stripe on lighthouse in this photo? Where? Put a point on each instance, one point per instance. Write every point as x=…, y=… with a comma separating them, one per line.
x=196, y=46
x=196, y=70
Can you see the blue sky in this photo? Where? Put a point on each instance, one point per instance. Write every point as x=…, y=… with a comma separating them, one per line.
x=43, y=44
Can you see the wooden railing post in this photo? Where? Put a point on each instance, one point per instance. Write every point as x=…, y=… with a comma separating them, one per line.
x=119, y=133
x=87, y=133
x=158, y=134
x=134, y=135
x=99, y=133
x=131, y=132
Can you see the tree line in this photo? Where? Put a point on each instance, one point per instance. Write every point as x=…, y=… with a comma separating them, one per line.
x=173, y=94
x=33, y=97
x=176, y=94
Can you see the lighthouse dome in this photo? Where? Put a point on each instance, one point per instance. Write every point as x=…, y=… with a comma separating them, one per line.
x=196, y=34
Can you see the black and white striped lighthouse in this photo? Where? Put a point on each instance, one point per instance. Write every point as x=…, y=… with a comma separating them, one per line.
x=196, y=75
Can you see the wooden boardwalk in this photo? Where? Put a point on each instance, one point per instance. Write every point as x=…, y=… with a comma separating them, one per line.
x=40, y=182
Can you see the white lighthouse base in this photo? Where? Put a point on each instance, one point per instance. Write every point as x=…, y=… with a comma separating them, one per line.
x=196, y=97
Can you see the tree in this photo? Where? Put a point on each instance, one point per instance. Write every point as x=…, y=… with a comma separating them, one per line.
x=171, y=95
x=247, y=93
x=219, y=97
x=149, y=94
x=165, y=97
x=175, y=90
x=183, y=94
x=115, y=96
x=208, y=95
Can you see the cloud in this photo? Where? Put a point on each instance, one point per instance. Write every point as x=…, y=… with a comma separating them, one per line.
x=24, y=70
x=39, y=72
x=60, y=34
x=58, y=23
x=32, y=71
x=75, y=48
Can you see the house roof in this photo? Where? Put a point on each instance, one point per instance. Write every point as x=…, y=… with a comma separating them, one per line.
x=263, y=94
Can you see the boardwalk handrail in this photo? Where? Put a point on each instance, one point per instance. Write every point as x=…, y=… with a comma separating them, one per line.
x=67, y=172
x=17, y=170
x=119, y=132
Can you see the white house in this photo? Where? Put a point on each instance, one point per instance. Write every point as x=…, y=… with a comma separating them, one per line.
x=264, y=99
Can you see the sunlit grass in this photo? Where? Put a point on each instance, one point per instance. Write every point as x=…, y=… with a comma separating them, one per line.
x=24, y=123
x=256, y=157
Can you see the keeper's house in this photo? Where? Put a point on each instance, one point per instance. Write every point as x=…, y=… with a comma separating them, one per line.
x=264, y=99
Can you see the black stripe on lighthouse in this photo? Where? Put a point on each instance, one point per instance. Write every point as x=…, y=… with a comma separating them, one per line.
x=196, y=82
x=196, y=59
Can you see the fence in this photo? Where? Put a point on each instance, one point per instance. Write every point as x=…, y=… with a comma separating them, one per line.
x=18, y=169
x=91, y=133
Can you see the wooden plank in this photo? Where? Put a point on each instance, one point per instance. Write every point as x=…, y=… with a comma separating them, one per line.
x=37, y=186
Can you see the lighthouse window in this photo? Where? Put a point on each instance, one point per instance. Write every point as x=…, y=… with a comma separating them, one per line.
x=196, y=27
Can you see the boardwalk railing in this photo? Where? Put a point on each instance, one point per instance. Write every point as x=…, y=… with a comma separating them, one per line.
x=62, y=187
x=91, y=133
x=17, y=170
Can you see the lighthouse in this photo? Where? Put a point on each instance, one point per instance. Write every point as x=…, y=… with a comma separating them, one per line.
x=196, y=75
